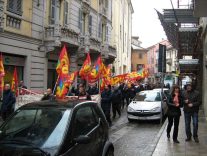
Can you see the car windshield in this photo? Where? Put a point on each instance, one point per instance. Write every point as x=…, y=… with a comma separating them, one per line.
x=149, y=96
x=44, y=128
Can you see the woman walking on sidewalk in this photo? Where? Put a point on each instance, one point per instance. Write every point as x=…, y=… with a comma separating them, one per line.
x=174, y=102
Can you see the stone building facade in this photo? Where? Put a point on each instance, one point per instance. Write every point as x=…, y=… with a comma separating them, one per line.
x=32, y=33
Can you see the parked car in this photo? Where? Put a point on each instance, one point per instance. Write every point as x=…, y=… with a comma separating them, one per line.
x=147, y=105
x=67, y=128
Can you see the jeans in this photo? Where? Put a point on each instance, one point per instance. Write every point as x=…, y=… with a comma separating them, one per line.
x=194, y=116
x=176, y=120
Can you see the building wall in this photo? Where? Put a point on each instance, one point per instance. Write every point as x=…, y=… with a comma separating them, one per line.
x=26, y=18
x=137, y=60
x=38, y=52
x=122, y=32
x=204, y=96
x=153, y=53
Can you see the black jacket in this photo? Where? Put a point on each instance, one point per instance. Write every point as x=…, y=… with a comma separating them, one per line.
x=172, y=109
x=193, y=97
x=8, y=101
x=106, y=100
x=116, y=97
x=93, y=91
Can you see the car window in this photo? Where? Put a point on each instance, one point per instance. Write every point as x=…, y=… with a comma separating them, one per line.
x=84, y=121
x=148, y=96
x=42, y=127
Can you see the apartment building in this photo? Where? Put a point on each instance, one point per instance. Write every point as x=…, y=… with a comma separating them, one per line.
x=32, y=33
x=122, y=33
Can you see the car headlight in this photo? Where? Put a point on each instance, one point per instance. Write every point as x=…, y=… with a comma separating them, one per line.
x=156, y=109
x=130, y=109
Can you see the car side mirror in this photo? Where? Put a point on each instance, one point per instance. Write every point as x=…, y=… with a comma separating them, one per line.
x=82, y=139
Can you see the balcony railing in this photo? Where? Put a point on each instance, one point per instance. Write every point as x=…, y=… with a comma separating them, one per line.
x=57, y=32
x=1, y=15
x=13, y=22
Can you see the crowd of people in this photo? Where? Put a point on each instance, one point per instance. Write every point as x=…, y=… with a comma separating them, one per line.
x=119, y=97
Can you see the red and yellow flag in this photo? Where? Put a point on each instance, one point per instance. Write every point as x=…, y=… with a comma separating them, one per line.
x=63, y=73
x=2, y=74
x=86, y=68
x=14, y=84
x=63, y=62
x=94, y=75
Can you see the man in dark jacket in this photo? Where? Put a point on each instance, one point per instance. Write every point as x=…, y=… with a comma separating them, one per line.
x=93, y=90
x=116, y=102
x=8, y=103
x=132, y=92
x=191, y=108
x=106, y=103
x=48, y=95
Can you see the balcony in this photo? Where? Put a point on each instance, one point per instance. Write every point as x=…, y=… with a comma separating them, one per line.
x=105, y=50
x=1, y=15
x=95, y=44
x=112, y=51
x=55, y=34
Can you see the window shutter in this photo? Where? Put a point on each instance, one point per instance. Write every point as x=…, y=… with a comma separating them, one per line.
x=80, y=20
x=90, y=24
x=19, y=6
x=100, y=29
x=52, y=12
x=107, y=33
x=66, y=13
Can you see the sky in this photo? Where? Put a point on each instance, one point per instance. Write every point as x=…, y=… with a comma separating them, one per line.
x=145, y=22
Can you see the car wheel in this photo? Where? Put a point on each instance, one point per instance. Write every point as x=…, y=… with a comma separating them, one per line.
x=110, y=152
x=130, y=120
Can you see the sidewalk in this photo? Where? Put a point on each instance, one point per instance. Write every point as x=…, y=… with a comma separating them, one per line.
x=166, y=147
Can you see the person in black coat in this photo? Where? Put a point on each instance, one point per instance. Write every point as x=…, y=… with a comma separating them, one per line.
x=48, y=95
x=8, y=103
x=174, y=102
x=132, y=92
x=82, y=94
x=116, y=101
x=106, y=103
x=93, y=90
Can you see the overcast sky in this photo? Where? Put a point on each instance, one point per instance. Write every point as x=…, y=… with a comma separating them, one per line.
x=145, y=22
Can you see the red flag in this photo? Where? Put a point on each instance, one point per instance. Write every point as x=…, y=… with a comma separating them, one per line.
x=86, y=68
x=2, y=74
x=14, y=84
x=94, y=75
x=63, y=62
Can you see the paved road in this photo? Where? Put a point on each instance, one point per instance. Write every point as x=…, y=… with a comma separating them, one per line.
x=134, y=139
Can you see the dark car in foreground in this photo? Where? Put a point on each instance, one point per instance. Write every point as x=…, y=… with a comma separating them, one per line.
x=67, y=128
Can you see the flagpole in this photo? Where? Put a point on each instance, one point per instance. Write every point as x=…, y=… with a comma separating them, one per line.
x=55, y=85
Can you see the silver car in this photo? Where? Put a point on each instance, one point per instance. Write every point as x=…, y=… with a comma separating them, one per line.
x=147, y=105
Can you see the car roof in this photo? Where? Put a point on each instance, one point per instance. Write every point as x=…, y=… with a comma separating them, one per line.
x=56, y=103
x=161, y=89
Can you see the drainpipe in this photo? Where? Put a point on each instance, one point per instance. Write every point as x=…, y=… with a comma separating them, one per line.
x=43, y=23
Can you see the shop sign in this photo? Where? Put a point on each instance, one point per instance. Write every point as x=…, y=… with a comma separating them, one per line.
x=12, y=60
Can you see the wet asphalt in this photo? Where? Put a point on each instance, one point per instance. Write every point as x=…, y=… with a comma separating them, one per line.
x=137, y=138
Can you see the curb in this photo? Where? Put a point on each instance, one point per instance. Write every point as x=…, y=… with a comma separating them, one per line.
x=157, y=137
